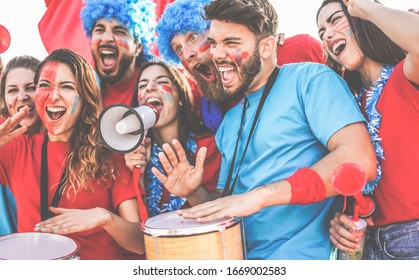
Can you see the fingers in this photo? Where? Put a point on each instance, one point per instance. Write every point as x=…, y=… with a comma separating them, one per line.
x=200, y=159
x=170, y=154
x=159, y=175
x=137, y=159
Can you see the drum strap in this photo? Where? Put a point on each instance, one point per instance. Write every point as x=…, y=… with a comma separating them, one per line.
x=45, y=212
x=228, y=190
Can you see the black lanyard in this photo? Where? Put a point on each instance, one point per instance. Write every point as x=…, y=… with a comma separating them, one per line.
x=45, y=213
x=228, y=190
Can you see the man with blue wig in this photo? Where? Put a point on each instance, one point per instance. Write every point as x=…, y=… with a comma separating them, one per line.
x=182, y=40
x=121, y=32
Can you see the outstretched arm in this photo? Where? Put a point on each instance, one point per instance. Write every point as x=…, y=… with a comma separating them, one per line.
x=350, y=144
x=400, y=26
x=124, y=228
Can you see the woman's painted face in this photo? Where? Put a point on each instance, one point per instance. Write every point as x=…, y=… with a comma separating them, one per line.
x=19, y=92
x=156, y=88
x=58, y=101
x=337, y=37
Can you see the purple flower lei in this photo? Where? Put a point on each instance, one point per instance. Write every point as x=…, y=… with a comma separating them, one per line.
x=374, y=119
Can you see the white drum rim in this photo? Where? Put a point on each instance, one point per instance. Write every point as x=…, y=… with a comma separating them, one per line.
x=218, y=225
x=43, y=234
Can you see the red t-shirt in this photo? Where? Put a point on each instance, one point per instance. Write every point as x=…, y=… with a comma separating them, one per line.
x=20, y=169
x=397, y=195
x=121, y=93
x=300, y=48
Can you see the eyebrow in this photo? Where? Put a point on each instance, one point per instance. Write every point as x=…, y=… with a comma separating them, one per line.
x=329, y=19
x=158, y=77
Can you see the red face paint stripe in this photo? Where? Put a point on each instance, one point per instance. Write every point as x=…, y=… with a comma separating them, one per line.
x=205, y=46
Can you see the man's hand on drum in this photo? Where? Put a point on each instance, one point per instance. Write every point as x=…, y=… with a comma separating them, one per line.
x=73, y=220
x=139, y=157
x=182, y=178
x=231, y=206
x=340, y=236
x=8, y=130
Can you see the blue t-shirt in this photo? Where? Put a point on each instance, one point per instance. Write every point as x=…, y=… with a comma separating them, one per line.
x=306, y=106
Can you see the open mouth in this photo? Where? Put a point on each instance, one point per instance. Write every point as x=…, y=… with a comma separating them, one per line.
x=338, y=48
x=227, y=73
x=155, y=103
x=206, y=72
x=108, y=56
x=55, y=113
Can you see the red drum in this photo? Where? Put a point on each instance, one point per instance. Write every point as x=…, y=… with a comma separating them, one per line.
x=38, y=246
x=169, y=236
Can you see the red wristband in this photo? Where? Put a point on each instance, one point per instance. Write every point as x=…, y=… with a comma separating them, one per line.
x=306, y=187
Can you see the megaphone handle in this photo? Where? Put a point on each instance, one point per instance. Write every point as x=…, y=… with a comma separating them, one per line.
x=141, y=206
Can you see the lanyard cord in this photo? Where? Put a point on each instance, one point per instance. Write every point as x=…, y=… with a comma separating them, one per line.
x=45, y=213
x=228, y=190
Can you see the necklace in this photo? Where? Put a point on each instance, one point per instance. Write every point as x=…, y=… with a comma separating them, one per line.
x=154, y=188
x=374, y=119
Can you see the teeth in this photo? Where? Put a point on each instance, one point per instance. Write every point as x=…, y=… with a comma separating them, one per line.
x=106, y=52
x=336, y=46
x=225, y=68
x=153, y=99
x=55, y=110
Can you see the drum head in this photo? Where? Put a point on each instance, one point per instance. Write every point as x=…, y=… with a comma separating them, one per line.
x=36, y=246
x=171, y=224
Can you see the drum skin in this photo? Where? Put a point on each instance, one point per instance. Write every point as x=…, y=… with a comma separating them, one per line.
x=171, y=237
x=38, y=246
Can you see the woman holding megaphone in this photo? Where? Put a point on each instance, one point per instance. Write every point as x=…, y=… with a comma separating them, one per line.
x=168, y=91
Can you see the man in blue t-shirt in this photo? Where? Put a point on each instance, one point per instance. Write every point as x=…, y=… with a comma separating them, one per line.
x=277, y=162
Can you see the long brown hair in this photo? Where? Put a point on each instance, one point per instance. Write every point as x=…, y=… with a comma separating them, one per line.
x=88, y=158
x=372, y=42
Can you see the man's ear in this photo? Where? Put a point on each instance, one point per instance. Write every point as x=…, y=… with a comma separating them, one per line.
x=139, y=47
x=267, y=47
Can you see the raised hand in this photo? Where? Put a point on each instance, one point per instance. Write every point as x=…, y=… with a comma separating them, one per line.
x=8, y=130
x=182, y=178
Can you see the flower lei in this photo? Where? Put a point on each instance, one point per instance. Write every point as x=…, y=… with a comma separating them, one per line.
x=154, y=188
x=374, y=119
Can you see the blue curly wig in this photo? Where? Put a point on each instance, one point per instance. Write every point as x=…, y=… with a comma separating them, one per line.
x=179, y=17
x=139, y=16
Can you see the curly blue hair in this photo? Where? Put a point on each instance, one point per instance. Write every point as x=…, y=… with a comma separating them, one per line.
x=139, y=16
x=179, y=17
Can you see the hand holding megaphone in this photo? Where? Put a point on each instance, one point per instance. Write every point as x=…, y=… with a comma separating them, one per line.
x=349, y=179
x=123, y=128
x=4, y=39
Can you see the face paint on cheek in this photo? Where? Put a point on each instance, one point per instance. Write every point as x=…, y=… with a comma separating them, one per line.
x=239, y=56
x=41, y=98
x=140, y=96
x=95, y=42
x=185, y=64
x=349, y=32
x=122, y=43
x=204, y=46
x=342, y=26
x=76, y=102
x=167, y=93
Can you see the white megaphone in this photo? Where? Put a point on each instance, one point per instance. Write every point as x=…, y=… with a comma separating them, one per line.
x=123, y=128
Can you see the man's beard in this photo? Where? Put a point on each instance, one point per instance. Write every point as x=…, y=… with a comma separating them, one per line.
x=124, y=64
x=214, y=90
x=247, y=74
